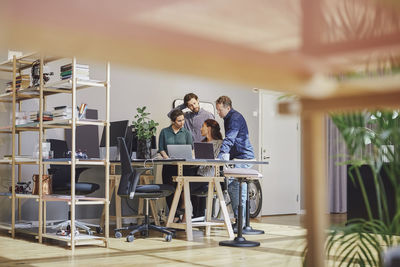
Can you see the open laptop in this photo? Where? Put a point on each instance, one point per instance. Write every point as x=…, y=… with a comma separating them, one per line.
x=203, y=150
x=180, y=151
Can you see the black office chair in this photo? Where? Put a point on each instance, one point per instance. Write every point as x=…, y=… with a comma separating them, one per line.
x=129, y=188
x=61, y=183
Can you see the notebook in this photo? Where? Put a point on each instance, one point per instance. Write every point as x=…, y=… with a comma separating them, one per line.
x=203, y=150
x=180, y=151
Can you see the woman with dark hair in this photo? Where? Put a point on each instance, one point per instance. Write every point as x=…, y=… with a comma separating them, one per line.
x=175, y=134
x=212, y=133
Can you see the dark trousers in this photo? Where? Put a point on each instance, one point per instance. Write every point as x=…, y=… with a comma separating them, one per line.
x=172, y=170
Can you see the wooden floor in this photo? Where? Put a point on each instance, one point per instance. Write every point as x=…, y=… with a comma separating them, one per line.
x=282, y=245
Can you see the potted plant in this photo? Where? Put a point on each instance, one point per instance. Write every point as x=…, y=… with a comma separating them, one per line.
x=145, y=128
x=362, y=242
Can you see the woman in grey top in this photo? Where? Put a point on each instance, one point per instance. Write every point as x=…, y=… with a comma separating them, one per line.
x=212, y=133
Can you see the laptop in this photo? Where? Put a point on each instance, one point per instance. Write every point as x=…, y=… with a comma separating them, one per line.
x=180, y=151
x=203, y=150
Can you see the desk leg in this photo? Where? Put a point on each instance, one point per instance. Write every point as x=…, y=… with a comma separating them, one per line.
x=153, y=208
x=225, y=213
x=188, y=211
x=118, y=216
x=174, y=204
x=210, y=197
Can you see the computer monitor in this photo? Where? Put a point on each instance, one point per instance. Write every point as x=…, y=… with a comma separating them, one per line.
x=87, y=136
x=117, y=129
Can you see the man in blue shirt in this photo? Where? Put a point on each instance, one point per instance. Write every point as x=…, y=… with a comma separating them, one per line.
x=236, y=145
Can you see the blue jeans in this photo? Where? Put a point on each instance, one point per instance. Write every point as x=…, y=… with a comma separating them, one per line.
x=233, y=190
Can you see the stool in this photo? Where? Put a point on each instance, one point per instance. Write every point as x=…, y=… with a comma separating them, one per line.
x=243, y=175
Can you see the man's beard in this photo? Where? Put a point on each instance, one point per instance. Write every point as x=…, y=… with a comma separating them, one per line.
x=195, y=110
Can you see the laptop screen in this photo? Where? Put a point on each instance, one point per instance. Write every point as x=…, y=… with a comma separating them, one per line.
x=203, y=150
x=180, y=151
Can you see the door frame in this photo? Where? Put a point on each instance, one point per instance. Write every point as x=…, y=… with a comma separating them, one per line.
x=261, y=92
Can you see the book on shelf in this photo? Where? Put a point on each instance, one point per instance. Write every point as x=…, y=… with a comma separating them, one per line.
x=62, y=112
x=35, y=116
x=81, y=71
x=80, y=77
x=78, y=72
x=20, y=83
x=22, y=117
x=69, y=67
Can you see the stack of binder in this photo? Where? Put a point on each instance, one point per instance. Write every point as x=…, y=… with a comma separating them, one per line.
x=62, y=112
x=22, y=81
x=35, y=116
x=82, y=72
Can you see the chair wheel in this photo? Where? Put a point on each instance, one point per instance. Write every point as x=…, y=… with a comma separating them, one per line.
x=118, y=234
x=99, y=230
x=168, y=238
x=130, y=238
x=143, y=233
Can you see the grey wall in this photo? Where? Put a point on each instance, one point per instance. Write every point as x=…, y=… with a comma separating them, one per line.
x=130, y=88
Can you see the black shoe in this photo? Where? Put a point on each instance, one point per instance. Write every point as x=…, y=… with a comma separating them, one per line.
x=234, y=227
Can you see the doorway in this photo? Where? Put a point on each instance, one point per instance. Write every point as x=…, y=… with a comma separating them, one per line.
x=279, y=144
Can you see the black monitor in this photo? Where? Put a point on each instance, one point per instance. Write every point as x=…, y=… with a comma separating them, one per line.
x=117, y=129
x=87, y=136
x=134, y=140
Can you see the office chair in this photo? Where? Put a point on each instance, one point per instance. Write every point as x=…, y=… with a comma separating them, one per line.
x=129, y=188
x=61, y=182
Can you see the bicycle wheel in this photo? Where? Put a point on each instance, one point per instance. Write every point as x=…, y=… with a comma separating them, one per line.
x=255, y=198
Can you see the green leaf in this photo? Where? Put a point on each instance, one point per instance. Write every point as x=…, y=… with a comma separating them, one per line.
x=144, y=127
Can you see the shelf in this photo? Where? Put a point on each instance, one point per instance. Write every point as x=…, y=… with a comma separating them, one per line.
x=56, y=124
x=19, y=161
x=29, y=93
x=5, y=227
x=64, y=161
x=95, y=162
x=67, y=84
x=81, y=239
x=79, y=200
x=27, y=161
x=24, y=62
x=30, y=196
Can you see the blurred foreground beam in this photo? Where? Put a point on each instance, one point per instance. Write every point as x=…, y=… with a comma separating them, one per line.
x=314, y=157
x=342, y=103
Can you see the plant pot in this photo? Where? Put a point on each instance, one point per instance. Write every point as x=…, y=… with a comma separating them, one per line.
x=143, y=149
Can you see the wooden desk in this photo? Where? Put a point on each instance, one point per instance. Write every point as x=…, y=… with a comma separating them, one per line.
x=114, y=179
x=183, y=185
x=213, y=186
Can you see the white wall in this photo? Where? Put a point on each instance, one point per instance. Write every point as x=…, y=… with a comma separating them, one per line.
x=130, y=88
